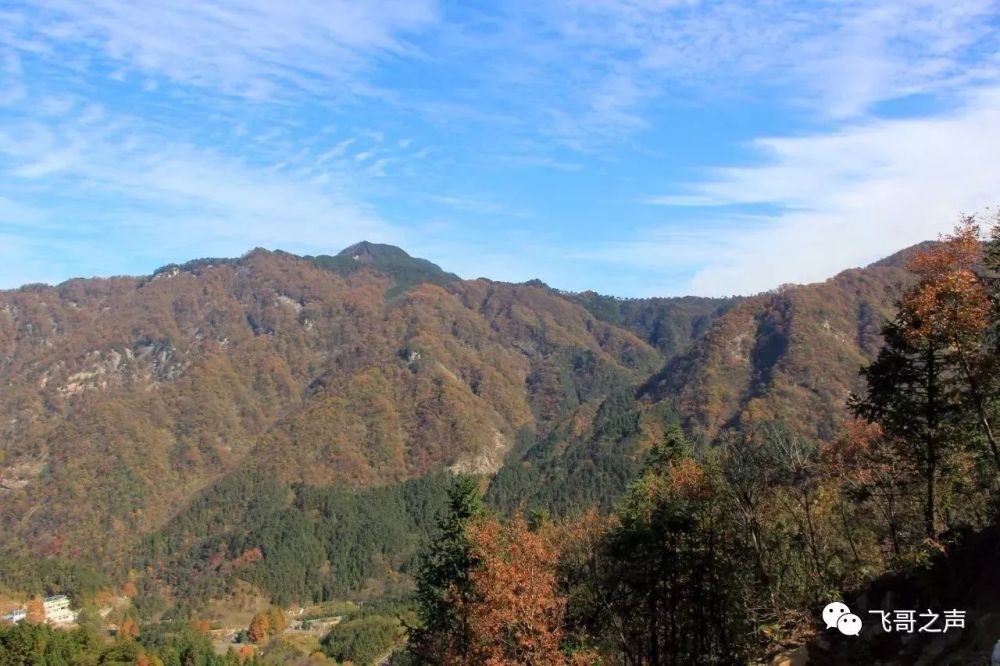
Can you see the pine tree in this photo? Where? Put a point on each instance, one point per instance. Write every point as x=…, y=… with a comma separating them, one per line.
x=443, y=579
x=912, y=395
x=673, y=571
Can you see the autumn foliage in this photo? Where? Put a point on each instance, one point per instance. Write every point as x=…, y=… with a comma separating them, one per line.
x=36, y=611
x=265, y=624
x=259, y=628
x=129, y=627
x=306, y=379
x=516, y=612
x=146, y=389
x=951, y=300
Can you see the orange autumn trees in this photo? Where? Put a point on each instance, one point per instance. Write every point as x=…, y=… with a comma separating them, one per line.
x=933, y=387
x=950, y=300
x=869, y=472
x=36, y=611
x=265, y=624
x=720, y=554
x=259, y=626
x=673, y=567
x=129, y=628
x=659, y=584
x=201, y=626
x=515, y=615
x=493, y=592
x=951, y=304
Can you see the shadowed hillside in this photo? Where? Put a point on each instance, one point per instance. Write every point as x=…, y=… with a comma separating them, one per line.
x=792, y=354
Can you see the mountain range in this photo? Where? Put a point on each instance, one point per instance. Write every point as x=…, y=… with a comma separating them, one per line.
x=132, y=407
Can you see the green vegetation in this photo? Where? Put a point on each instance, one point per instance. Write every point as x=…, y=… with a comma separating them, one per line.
x=669, y=324
x=33, y=576
x=444, y=573
x=279, y=426
x=564, y=478
x=674, y=569
x=37, y=645
x=297, y=544
x=790, y=355
x=127, y=398
x=365, y=636
x=405, y=270
x=718, y=555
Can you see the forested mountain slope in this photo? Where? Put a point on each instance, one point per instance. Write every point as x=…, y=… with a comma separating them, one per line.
x=791, y=355
x=669, y=324
x=135, y=410
x=124, y=397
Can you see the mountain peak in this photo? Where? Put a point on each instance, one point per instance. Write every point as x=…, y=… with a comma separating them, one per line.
x=389, y=260
x=367, y=252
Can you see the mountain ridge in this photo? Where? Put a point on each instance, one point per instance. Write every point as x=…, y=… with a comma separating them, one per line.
x=379, y=255
x=126, y=399
x=126, y=395
x=729, y=377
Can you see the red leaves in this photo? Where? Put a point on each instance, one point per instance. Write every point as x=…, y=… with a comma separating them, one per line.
x=516, y=611
x=949, y=302
x=129, y=628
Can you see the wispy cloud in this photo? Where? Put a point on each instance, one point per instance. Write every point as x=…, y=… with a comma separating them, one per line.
x=195, y=128
x=844, y=197
x=253, y=48
x=578, y=73
x=162, y=198
x=839, y=57
x=471, y=203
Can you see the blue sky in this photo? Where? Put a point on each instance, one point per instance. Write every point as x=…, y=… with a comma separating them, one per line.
x=633, y=147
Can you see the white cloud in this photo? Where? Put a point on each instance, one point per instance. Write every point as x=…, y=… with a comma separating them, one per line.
x=513, y=85
x=590, y=73
x=846, y=197
x=252, y=48
x=157, y=197
x=467, y=203
x=580, y=73
x=840, y=57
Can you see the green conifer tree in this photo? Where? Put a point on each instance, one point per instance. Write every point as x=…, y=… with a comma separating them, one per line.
x=443, y=576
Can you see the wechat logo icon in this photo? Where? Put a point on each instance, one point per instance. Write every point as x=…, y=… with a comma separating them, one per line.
x=838, y=616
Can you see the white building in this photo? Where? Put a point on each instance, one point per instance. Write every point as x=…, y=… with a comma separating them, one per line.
x=15, y=616
x=57, y=610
